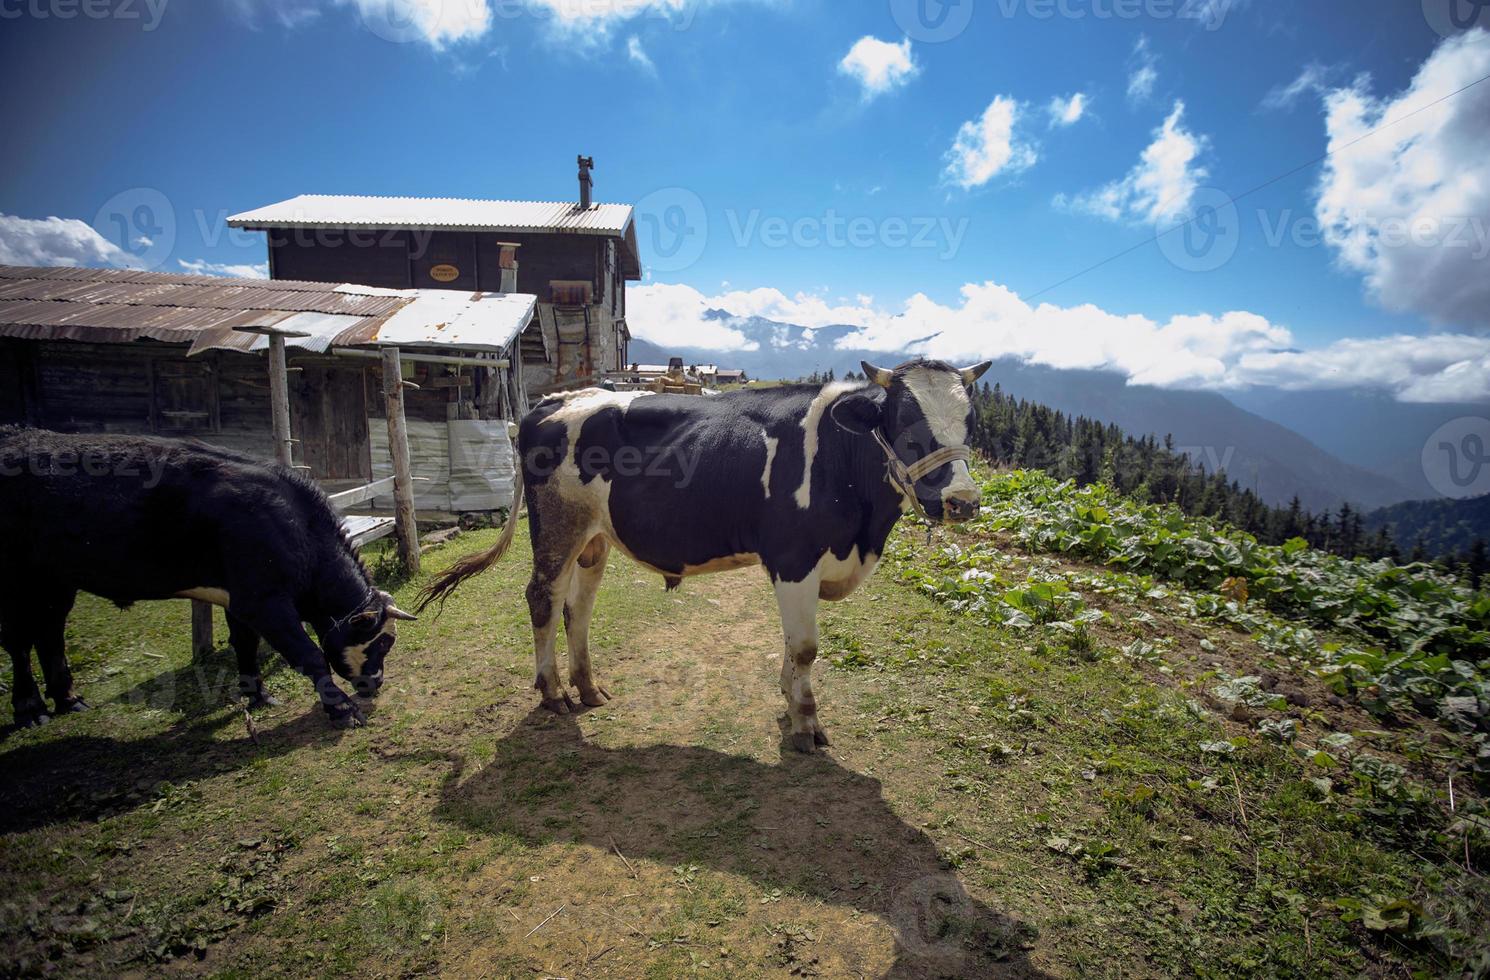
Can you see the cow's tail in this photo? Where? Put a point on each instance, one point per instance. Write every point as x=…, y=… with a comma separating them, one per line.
x=447, y=581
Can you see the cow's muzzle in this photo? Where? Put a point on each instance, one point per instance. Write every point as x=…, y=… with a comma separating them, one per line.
x=368, y=685
x=960, y=508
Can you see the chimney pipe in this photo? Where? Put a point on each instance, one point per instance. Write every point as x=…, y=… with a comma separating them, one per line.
x=586, y=164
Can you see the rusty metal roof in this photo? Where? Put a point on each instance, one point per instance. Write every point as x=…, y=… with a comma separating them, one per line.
x=122, y=305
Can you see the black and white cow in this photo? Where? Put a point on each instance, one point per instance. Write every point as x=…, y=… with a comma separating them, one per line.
x=131, y=518
x=806, y=480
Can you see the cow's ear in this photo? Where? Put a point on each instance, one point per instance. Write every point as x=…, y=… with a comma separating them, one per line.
x=858, y=414
x=970, y=375
x=878, y=375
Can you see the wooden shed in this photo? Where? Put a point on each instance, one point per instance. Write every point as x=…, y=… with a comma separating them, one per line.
x=574, y=257
x=109, y=350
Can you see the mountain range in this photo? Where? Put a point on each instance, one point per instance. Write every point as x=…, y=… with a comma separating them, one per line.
x=1325, y=447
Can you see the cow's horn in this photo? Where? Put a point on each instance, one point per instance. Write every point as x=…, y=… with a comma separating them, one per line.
x=393, y=611
x=970, y=375
x=878, y=375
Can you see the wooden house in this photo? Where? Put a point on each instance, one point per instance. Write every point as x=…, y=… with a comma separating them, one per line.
x=575, y=257
x=111, y=350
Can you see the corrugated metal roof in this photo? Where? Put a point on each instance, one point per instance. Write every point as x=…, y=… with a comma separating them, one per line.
x=427, y=318
x=67, y=273
x=488, y=321
x=206, y=293
x=450, y=214
x=447, y=213
x=121, y=306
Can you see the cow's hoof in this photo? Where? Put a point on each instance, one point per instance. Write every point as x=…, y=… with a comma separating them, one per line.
x=821, y=737
x=31, y=713
x=595, y=697
x=69, y=705
x=251, y=690
x=804, y=742
x=561, y=705
x=346, y=715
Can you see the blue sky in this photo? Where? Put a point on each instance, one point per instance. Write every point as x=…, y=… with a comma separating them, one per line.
x=733, y=113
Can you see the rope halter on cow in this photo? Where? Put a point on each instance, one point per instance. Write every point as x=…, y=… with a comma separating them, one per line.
x=904, y=478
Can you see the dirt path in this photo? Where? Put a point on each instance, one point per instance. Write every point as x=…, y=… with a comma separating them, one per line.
x=688, y=837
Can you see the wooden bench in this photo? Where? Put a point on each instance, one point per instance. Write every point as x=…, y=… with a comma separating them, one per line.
x=362, y=530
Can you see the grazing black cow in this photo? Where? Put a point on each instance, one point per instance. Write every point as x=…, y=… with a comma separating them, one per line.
x=130, y=518
x=807, y=480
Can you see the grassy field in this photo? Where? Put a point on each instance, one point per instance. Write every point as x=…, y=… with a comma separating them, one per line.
x=1067, y=797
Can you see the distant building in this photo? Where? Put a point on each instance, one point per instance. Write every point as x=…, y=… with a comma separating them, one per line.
x=709, y=375
x=576, y=257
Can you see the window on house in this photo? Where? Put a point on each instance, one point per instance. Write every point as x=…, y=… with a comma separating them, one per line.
x=184, y=396
x=569, y=292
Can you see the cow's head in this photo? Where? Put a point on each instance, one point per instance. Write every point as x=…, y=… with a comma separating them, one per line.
x=926, y=408
x=356, y=646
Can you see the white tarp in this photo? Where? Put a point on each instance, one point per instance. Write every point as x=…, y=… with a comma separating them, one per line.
x=466, y=463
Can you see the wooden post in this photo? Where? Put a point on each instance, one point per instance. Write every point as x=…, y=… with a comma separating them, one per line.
x=201, y=629
x=202, y=640
x=279, y=388
x=279, y=399
x=398, y=448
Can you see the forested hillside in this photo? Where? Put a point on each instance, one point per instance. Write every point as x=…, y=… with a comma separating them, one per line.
x=1441, y=527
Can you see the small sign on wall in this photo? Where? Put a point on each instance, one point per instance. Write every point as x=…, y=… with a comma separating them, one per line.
x=444, y=273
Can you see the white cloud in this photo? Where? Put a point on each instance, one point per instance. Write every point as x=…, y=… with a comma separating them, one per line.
x=673, y=316
x=605, y=13
x=1067, y=111
x=878, y=66
x=993, y=320
x=444, y=23
x=589, y=22
x=1408, y=207
x=437, y=23
x=989, y=145
x=1311, y=81
x=57, y=241
x=639, y=56
x=1143, y=73
x=1160, y=186
x=1209, y=351
x=241, y=270
x=802, y=309
x=1433, y=368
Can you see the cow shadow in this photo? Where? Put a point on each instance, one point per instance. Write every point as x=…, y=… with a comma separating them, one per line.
x=806, y=825
x=89, y=777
